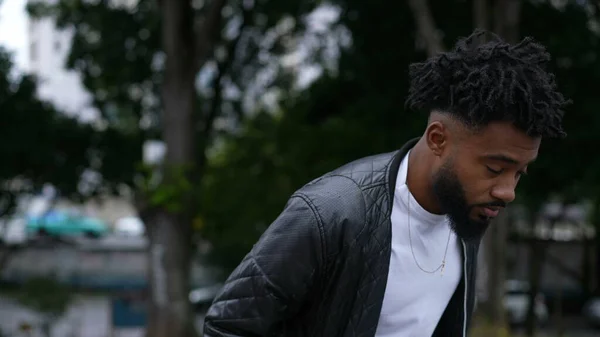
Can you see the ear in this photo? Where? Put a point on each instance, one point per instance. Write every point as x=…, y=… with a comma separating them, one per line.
x=437, y=137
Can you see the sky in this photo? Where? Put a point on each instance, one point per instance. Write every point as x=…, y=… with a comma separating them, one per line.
x=13, y=30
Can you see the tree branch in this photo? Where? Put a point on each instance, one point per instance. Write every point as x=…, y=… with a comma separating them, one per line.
x=222, y=68
x=507, y=16
x=426, y=27
x=481, y=14
x=208, y=31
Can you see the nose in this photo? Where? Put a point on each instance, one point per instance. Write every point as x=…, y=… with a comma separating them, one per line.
x=505, y=192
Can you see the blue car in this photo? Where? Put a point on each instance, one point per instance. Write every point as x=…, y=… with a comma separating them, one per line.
x=60, y=223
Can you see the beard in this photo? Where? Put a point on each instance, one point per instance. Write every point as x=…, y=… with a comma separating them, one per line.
x=451, y=197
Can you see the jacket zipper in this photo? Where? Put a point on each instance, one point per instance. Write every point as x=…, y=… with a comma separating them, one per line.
x=466, y=288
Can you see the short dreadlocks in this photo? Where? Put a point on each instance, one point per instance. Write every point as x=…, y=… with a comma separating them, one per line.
x=480, y=82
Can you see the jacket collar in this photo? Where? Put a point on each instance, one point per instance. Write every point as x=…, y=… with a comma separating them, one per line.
x=394, y=166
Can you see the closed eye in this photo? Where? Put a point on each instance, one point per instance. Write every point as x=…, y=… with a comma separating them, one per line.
x=494, y=171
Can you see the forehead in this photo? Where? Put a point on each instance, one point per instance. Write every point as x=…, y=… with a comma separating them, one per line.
x=503, y=139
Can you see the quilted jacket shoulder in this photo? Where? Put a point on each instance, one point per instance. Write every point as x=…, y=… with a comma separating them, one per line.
x=344, y=199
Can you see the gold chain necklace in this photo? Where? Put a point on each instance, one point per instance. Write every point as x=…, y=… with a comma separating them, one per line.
x=443, y=264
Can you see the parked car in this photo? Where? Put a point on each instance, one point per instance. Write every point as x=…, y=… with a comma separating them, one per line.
x=516, y=303
x=591, y=311
x=65, y=223
x=129, y=226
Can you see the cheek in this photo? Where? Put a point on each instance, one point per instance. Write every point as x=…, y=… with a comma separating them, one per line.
x=476, y=185
x=479, y=193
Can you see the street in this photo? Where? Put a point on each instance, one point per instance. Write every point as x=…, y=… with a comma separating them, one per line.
x=88, y=316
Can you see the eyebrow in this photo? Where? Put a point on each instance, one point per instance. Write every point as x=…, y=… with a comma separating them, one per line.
x=506, y=159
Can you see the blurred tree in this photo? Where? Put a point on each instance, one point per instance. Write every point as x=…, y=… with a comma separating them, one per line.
x=169, y=214
x=172, y=70
x=354, y=111
x=358, y=111
x=48, y=297
x=39, y=145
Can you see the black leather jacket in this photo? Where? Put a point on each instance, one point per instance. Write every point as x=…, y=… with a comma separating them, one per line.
x=320, y=269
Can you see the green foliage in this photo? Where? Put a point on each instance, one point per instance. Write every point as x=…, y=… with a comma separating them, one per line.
x=340, y=118
x=257, y=170
x=121, y=64
x=167, y=188
x=115, y=60
x=39, y=145
x=42, y=145
x=45, y=295
x=361, y=112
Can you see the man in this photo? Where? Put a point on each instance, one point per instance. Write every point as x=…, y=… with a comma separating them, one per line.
x=386, y=246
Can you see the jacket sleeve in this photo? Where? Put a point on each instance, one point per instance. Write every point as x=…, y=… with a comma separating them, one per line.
x=272, y=281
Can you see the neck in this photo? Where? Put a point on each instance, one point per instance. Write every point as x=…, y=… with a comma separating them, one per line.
x=418, y=179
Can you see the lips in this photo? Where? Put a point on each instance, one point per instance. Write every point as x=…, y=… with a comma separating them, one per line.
x=491, y=212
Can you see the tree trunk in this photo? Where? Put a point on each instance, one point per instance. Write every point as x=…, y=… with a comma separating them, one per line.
x=507, y=18
x=426, y=28
x=495, y=245
x=481, y=14
x=169, y=228
x=536, y=263
x=169, y=262
x=537, y=260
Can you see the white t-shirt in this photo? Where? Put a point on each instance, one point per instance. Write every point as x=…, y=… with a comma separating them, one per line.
x=414, y=300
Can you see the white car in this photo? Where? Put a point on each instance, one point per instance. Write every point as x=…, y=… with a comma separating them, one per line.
x=129, y=226
x=516, y=303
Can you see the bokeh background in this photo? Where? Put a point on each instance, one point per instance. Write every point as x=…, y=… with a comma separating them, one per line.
x=146, y=145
